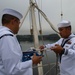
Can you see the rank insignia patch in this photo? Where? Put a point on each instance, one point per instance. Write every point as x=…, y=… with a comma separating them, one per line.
x=69, y=42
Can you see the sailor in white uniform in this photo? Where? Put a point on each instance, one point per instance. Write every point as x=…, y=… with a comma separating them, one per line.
x=10, y=50
x=65, y=47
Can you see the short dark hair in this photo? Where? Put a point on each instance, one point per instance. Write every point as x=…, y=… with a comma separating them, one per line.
x=6, y=18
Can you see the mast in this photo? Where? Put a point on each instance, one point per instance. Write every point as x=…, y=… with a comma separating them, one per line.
x=32, y=7
x=35, y=33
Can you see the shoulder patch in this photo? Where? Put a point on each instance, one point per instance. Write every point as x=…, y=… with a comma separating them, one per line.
x=69, y=42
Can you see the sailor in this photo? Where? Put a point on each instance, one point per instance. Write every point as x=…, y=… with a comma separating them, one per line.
x=65, y=48
x=10, y=50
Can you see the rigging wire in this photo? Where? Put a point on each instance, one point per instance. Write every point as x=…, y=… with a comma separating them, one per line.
x=57, y=64
x=24, y=17
x=31, y=26
x=40, y=31
x=42, y=39
x=47, y=21
x=44, y=17
x=42, y=36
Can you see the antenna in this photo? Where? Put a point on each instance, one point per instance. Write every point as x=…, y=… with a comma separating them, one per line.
x=61, y=11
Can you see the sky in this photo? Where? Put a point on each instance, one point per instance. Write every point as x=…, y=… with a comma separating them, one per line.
x=51, y=8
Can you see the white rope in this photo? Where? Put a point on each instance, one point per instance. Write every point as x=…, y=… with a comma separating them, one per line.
x=24, y=17
x=42, y=13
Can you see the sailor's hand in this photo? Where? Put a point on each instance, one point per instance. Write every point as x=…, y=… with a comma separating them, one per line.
x=41, y=48
x=57, y=49
x=36, y=59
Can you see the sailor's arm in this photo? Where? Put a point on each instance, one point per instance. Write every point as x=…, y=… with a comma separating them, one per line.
x=11, y=58
x=48, y=46
x=68, y=49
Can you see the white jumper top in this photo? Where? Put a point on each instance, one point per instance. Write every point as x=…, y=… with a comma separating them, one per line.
x=67, y=65
x=11, y=56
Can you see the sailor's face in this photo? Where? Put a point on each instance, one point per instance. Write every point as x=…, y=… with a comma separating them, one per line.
x=63, y=31
x=16, y=26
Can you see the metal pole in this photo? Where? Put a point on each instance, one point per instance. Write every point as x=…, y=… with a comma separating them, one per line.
x=35, y=34
x=45, y=17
